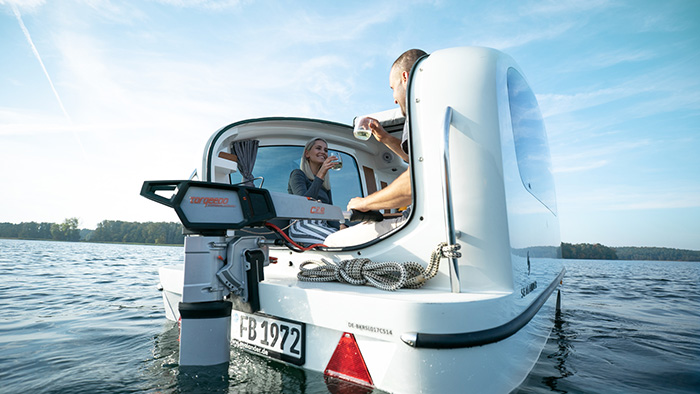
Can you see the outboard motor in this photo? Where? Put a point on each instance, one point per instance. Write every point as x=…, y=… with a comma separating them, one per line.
x=221, y=271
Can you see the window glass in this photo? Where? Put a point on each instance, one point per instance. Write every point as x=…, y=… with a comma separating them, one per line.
x=530, y=137
x=275, y=163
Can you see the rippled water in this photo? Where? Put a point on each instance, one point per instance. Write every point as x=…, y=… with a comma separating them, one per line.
x=87, y=318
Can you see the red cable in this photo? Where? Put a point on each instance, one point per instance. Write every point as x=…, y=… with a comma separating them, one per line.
x=303, y=249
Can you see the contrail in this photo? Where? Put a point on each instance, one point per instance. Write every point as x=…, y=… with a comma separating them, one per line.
x=36, y=53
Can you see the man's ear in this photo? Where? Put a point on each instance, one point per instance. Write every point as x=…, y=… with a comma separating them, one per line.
x=404, y=76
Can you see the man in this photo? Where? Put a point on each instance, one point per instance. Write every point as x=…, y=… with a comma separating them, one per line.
x=398, y=193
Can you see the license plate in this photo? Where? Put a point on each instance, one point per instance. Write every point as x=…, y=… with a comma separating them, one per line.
x=269, y=336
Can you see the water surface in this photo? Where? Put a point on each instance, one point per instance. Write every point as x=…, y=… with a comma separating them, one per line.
x=88, y=318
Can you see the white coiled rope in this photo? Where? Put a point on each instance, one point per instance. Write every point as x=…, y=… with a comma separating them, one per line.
x=390, y=275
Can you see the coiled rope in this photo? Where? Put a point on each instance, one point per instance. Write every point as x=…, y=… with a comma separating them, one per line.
x=389, y=276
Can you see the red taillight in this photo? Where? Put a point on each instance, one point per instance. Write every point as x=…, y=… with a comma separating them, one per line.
x=347, y=362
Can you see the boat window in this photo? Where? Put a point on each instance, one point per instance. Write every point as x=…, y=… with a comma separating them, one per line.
x=275, y=163
x=530, y=137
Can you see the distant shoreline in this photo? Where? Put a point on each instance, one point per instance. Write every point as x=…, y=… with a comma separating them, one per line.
x=626, y=253
x=93, y=242
x=569, y=251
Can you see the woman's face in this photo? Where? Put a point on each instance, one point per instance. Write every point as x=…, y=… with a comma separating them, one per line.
x=318, y=152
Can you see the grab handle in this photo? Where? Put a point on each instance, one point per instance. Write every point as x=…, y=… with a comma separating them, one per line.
x=150, y=188
x=447, y=197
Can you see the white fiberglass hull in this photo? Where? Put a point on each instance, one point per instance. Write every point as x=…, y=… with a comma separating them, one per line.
x=378, y=320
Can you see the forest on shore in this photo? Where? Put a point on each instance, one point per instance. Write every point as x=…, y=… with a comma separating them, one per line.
x=602, y=252
x=171, y=233
x=157, y=233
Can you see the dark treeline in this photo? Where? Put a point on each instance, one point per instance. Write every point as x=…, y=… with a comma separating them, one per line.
x=107, y=231
x=66, y=231
x=658, y=254
x=602, y=252
x=170, y=233
x=587, y=251
x=150, y=232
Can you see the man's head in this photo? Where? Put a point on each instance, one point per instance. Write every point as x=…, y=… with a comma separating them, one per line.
x=398, y=77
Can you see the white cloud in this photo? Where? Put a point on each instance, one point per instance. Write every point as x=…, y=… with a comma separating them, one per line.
x=553, y=104
x=206, y=4
x=24, y=5
x=558, y=169
x=509, y=39
x=642, y=197
x=622, y=55
x=581, y=158
x=556, y=8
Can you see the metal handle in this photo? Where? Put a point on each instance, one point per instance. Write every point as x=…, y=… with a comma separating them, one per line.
x=447, y=198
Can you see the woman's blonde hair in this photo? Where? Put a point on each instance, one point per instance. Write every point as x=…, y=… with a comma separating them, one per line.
x=306, y=168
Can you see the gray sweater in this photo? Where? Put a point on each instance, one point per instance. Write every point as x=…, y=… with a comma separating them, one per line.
x=301, y=185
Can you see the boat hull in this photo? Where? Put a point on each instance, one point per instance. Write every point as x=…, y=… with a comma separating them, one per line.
x=380, y=322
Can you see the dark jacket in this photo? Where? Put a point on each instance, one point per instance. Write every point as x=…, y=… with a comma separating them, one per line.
x=301, y=185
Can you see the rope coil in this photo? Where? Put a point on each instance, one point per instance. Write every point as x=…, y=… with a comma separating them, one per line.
x=388, y=276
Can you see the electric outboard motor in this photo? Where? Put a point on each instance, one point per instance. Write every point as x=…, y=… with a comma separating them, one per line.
x=218, y=267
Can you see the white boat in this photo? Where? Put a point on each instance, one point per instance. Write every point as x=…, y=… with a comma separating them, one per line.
x=482, y=182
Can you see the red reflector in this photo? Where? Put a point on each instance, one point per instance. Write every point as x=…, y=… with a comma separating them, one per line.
x=347, y=362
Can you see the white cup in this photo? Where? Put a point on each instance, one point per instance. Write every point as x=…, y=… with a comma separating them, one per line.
x=362, y=130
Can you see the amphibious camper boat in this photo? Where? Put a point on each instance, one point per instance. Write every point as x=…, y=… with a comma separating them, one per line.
x=459, y=298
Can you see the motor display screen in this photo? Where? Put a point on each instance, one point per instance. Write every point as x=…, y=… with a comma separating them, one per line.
x=208, y=205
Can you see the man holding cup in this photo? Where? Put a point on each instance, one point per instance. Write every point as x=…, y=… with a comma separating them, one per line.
x=398, y=193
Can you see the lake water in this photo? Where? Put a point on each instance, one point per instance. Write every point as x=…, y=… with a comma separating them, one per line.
x=88, y=318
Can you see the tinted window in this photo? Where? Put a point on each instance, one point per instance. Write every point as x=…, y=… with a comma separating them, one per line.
x=531, y=147
x=275, y=163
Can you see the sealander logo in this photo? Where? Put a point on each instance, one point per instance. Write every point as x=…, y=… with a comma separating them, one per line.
x=210, y=201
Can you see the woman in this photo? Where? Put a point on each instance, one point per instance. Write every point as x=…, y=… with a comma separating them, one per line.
x=311, y=180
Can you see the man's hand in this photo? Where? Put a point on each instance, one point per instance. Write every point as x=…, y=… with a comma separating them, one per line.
x=377, y=130
x=357, y=203
x=387, y=139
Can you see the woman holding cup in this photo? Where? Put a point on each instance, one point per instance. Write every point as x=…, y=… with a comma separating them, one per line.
x=311, y=180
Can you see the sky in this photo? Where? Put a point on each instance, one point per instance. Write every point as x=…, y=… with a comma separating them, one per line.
x=97, y=96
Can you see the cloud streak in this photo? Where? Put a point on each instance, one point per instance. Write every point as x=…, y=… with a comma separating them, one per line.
x=15, y=10
x=38, y=57
x=647, y=198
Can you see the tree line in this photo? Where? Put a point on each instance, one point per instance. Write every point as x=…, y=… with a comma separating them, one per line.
x=66, y=231
x=170, y=233
x=602, y=252
x=159, y=233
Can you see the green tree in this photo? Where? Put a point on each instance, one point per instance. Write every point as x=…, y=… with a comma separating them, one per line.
x=66, y=231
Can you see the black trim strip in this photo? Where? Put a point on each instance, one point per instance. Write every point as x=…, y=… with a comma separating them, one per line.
x=204, y=310
x=485, y=337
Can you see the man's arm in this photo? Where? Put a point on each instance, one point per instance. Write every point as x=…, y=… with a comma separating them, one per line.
x=385, y=138
x=396, y=195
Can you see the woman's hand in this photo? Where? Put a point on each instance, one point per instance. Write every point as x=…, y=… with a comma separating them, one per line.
x=327, y=165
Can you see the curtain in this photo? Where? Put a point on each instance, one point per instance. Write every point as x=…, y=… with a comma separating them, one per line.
x=247, y=151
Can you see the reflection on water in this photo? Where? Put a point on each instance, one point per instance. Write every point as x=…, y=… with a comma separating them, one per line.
x=245, y=372
x=561, y=336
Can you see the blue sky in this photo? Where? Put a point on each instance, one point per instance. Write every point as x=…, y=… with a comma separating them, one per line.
x=97, y=96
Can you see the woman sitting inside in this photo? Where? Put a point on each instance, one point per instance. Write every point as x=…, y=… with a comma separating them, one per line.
x=311, y=180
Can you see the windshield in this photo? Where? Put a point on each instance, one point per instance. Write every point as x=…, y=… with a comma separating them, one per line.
x=275, y=163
